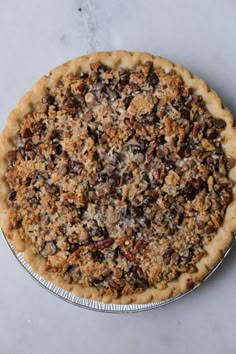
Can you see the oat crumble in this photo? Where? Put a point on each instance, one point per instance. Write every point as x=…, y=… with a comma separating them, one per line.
x=119, y=179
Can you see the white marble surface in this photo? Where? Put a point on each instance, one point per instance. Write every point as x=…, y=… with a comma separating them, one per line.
x=38, y=35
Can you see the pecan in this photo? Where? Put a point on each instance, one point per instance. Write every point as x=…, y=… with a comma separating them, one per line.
x=49, y=249
x=12, y=156
x=139, y=246
x=114, y=285
x=128, y=255
x=102, y=244
x=90, y=99
x=196, y=129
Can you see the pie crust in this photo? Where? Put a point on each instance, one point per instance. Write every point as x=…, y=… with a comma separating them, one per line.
x=216, y=247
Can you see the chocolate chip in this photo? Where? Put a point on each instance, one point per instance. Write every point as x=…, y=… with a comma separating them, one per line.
x=150, y=118
x=18, y=224
x=27, y=181
x=96, y=281
x=152, y=79
x=116, y=254
x=60, y=83
x=102, y=232
x=219, y=123
x=71, y=102
x=180, y=218
x=178, y=104
x=185, y=113
x=36, y=175
x=127, y=176
x=26, y=133
x=102, y=68
x=29, y=145
x=189, y=191
x=12, y=196
x=53, y=189
x=139, y=279
x=170, y=165
x=169, y=252
x=95, y=134
x=38, y=127
x=84, y=75
x=212, y=134
x=98, y=88
x=82, y=87
x=97, y=256
x=127, y=101
x=148, y=200
x=33, y=200
x=112, y=94
x=58, y=149
x=209, y=229
x=114, y=179
x=116, y=157
x=125, y=213
x=76, y=167
x=102, y=178
x=48, y=100
x=124, y=78
x=144, y=221
x=230, y=163
x=141, y=146
x=74, y=247
x=138, y=211
x=200, y=184
x=62, y=229
x=162, y=139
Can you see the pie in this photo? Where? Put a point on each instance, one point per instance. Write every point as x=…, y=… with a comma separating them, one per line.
x=118, y=177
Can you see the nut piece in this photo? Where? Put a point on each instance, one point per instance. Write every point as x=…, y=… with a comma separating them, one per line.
x=140, y=104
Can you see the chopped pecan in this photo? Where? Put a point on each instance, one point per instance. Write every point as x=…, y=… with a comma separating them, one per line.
x=102, y=244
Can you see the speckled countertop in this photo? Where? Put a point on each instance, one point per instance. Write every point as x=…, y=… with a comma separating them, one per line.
x=38, y=35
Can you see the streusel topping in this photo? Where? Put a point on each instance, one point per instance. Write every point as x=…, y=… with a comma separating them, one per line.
x=119, y=179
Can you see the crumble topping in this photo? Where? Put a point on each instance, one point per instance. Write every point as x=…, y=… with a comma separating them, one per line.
x=119, y=179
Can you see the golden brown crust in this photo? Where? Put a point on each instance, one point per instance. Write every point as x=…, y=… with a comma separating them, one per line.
x=217, y=246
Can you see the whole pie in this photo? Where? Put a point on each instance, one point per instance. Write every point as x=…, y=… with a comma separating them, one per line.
x=117, y=177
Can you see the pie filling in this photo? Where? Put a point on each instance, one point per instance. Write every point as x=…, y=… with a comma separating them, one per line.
x=119, y=178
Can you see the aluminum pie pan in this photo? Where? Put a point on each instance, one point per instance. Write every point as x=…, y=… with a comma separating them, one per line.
x=97, y=305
